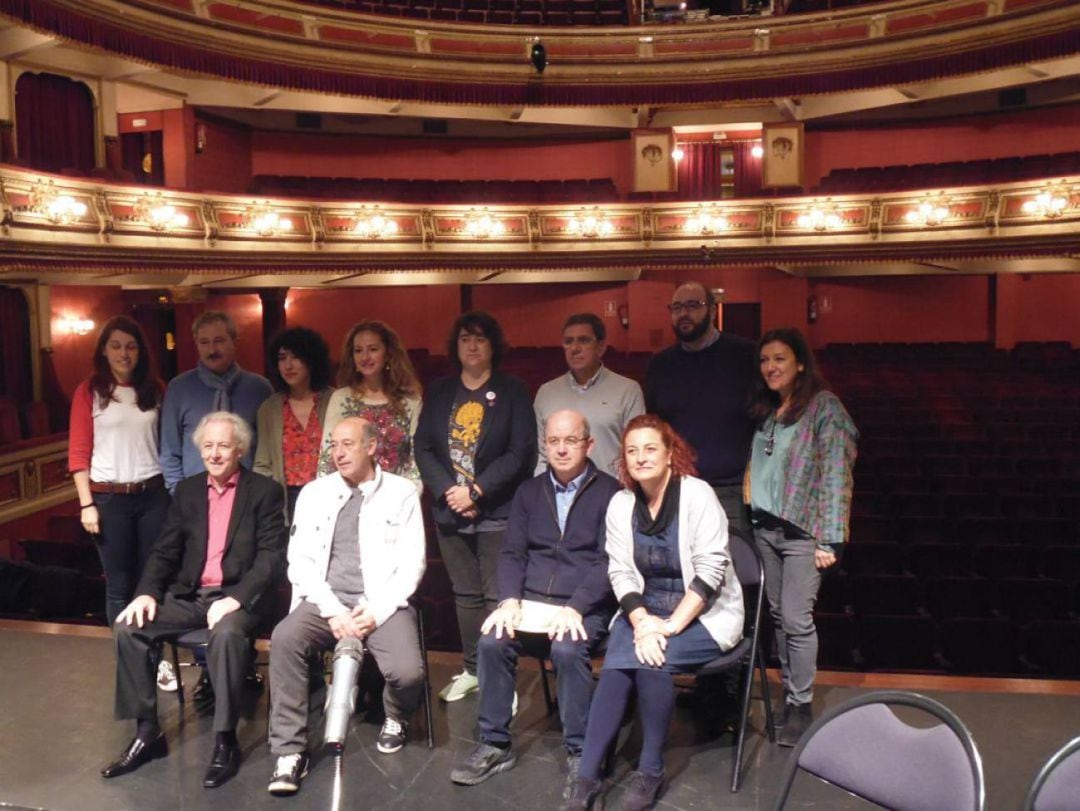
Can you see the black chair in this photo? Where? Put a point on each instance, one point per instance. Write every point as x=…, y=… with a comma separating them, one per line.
x=863, y=748
x=750, y=569
x=1057, y=785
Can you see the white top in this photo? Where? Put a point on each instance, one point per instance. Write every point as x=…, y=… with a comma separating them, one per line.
x=390, y=531
x=125, y=447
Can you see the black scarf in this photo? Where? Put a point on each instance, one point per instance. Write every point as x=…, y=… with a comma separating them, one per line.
x=669, y=509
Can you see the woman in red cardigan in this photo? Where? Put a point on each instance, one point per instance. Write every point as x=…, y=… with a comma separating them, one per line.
x=113, y=457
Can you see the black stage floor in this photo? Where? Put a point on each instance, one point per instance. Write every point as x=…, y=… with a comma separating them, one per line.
x=57, y=732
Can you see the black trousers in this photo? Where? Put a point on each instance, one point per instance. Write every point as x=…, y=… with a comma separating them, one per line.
x=226, y=656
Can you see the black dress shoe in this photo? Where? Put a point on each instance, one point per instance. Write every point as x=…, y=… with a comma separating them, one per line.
x=223, y=765
x=137, y=753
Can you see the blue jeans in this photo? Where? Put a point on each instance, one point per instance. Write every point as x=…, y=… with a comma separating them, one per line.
x=130, y=525
x=496, y=667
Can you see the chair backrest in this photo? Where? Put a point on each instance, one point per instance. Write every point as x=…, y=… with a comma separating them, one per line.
x=1057, y=785
x=863, y=748
x=746, y=559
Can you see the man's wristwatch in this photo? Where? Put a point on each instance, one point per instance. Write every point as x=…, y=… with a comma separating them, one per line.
x=474, y=493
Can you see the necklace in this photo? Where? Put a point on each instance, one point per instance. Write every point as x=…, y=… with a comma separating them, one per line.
x=770, y=443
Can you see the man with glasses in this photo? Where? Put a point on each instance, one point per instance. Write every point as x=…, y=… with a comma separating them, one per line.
x=555, y=598
x=700, y=386
x=606, y=399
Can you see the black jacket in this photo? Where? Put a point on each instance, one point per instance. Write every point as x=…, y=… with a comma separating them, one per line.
x=505, y=451
x=254, y=557
x=540, y=563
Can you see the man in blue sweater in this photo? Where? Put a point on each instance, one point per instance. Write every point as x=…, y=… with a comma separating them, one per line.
x=217, y=383
x=554, y=596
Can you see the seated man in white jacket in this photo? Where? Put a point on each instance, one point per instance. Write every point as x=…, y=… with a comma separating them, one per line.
x=356, y=555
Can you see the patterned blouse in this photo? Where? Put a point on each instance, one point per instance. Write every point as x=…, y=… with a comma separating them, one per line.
x=395, y=425
x=300, y=444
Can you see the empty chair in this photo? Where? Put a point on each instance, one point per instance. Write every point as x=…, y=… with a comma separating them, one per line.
x=1030, y=598
x=898, y=642
x=1003, y=560
x=971, y=597
x=875, y=558
x=939, y=560
x=980, y=646
x=862, y=747
x=1057, y=784
x=886, y=594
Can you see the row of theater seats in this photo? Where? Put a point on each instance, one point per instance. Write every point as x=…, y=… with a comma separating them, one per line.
x=496, y=12
x=26, y=422
x=593, y=190
x=954, y=173
x=965, y=549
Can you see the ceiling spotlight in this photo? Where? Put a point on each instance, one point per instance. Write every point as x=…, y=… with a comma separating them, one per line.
x=538, y=55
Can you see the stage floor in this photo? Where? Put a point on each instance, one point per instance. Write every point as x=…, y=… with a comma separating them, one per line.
x=56, y=686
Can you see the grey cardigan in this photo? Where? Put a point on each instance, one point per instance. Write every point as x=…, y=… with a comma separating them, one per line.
x=269, y=455
x=703, y=552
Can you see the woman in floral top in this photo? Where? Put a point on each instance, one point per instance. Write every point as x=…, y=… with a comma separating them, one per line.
x=378, y=383
x=799, y=484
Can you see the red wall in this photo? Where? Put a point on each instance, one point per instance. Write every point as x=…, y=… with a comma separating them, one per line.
x=275, y=153
x=963, y=139
x=72, y=354
x=178, y=146
x=901, y=309
x=533, y=315
x=224, y=165
x=1038, y=308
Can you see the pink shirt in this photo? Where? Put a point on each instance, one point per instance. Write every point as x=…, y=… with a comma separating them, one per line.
x=220, y=510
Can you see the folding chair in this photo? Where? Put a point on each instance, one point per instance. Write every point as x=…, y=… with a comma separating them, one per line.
x=1057, y=785
x=863, y=748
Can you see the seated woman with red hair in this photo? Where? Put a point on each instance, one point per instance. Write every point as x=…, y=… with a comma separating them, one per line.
x=680, y=603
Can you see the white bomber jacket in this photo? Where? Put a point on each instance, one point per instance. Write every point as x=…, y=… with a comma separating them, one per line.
x=391, y=537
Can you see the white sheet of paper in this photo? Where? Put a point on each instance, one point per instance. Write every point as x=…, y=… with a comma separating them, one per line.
x=536, y=617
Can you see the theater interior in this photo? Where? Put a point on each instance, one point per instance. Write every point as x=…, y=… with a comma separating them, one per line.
x=898, y=179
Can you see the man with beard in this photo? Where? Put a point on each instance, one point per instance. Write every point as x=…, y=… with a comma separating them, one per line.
x=700, y=387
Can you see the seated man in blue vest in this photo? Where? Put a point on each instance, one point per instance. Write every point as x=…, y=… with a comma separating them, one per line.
x=554, y=596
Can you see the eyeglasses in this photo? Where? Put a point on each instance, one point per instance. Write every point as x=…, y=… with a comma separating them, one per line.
x=677, y=307
x=571, y=442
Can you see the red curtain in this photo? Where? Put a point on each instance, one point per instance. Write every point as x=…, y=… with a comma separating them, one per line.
x=54, y=119
x=700, y=170
x=747, y=169
x=15, y=380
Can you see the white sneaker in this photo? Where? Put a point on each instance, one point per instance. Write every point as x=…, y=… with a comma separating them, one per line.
x=166, y=677
x=514, y=706
x=461, y=685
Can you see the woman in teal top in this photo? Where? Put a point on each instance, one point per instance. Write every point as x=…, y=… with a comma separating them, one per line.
x=799, y=484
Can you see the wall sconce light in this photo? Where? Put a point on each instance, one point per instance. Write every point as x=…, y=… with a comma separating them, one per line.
x=706, y=221
x=481, y=225
x=265, y=221
x=590, y=224
x=160, y=216
x=819, y=218
x=59, y=209
x=677, y=154
x=1050, y=203
x=758, y=151
x=373, y=225
x=71, y=325
x=930, y=212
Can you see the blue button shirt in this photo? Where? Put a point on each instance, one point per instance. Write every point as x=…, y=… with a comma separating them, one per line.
x=564, y=496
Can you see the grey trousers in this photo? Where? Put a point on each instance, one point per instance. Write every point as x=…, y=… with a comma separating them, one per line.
x=227, y=657
x=791, y=585
x=300, y=638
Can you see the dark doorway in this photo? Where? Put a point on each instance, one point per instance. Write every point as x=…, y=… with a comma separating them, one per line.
x=143, y=155
x=158, y=321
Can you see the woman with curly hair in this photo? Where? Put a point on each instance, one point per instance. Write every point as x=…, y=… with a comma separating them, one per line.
x=680, y=603
x=378, y=383
x=290, y=422
x=113, y=457
x=799, y=488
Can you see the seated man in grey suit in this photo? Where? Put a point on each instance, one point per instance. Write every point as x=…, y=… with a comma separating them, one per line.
x=214, y=566
x=356, y=556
